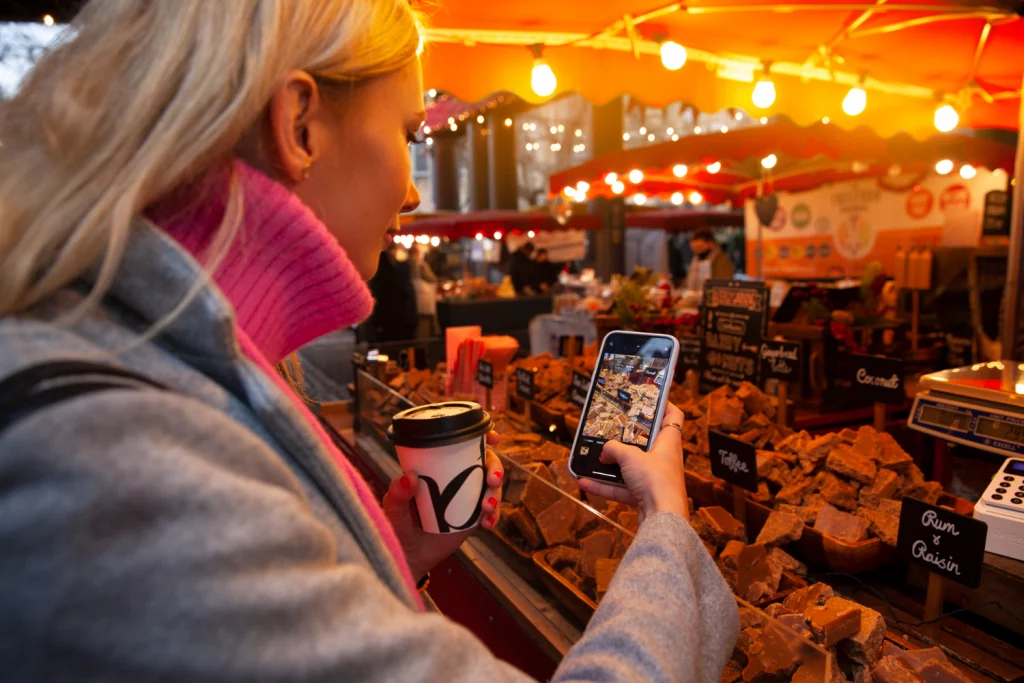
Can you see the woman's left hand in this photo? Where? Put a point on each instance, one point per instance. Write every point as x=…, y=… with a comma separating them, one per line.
x=422, y=550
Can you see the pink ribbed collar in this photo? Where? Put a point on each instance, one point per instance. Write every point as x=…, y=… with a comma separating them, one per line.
x=286, y=276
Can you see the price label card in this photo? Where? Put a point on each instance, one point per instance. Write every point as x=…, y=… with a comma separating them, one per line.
x=624, y=396
x=780, y=360
x=565, y=342
x=524, y=383
x=942, y=541
x=580, y=387
x=734, y=320
x=878, y=379
x=600, y=381
x=733, y=460
x=485, y=374
x=689, y=353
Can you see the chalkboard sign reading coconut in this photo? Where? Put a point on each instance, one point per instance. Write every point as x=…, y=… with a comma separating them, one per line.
x=877, y=379
x=734, y=320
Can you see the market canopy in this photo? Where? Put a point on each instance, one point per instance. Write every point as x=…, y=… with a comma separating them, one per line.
x=732, y=165
x=908, y=57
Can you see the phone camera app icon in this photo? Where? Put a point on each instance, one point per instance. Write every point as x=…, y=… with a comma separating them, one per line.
x=584, y=450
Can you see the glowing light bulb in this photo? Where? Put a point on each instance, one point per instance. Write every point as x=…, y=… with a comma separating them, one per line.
x=579, y=133
x=435, y=241
x=826, y=120
x=508, y=123
x=643, y=130
x=625, y=137
x=526, y=127
x=531, y=234
x=677, y=198
x=569, y=191
x=650, y=137
x=543, y=80
x=636, y=175
x=696, y=197
x=673, y=55
x=639, y=199
x=533, y=127
x=967, y=171
x=696, y=130
x=480, y=118
x=479, y=236
x=48, y=20
x=454, y=127
x=725, y=129
x=582, y=186
x=422, y=239
x=855, y=102
x=946, y=118
x=426, y=130
x=432, y=92
x=670, y=131
x=497, y=234
x=738, y=116
x=430, y=142
x=764, y=93
x=764, y=120
x=611, y=178
x=618, y=187
x=680, y=170
x=561, y=128
x=714, y=167
x=675, y=137
x=944, y=167
x=553, y=130
x=769, y=161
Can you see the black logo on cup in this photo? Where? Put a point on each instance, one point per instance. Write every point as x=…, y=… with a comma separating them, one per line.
x=441, y=500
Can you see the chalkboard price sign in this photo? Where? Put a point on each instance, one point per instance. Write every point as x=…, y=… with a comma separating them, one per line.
x=878, y=379
x=689, y=353
x=575, y=341
x=524, y=383
x=941, y=541
x=580, y=387
x=780, y=360
x=485, y=374
x=734, y=320
x=624, y=396
x=733, y=460
x=996, y=217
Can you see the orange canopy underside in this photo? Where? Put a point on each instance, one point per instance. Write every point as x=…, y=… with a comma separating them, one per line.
x=936, y=56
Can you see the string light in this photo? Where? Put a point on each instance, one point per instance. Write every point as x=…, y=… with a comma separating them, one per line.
x=764, y=120
x=855, y=102
x=639, y=199
x=636, y=175
x=967, y=171
x=561, y=128
x=696, y=197
x=725, y=129
x=479, y=236
x=531, y=234
x=529, y=147
x=454, y=127
x=610, y=178
x=579, y=133
x=435, y=241
x=552, y=130
x=714, y=167
x=675, y=138
x=826, y=120
x=542, y=78
x=764, y=90
x=643, y=130
x=569, y=191
x=432, y=92
x=480, y=118
x=556, y=147
x=582, y=186
x=673, y=55
x=769, y=161
x=946, y=118
x=497, y=234
x=430, y=142
x=618, y=187
x=48, y=20
x=426, y=130
x=526, y=127
x=677, y=198
x=650, y=137
x=625, y=137
x=696, y=130
x=670, y=131
x=423, y=239
x=738, y=116
x=533, y=127
x=508, y=123
x=680, y=170
x=944, y=167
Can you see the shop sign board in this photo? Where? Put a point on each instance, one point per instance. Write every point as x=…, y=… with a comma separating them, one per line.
x=580, y=387
x=734, y=320
x=996, y=218
x=877, y=379
x=780, y=360
x=689, y=353
x=942, y=541
x=733, y=460
x=485, y=374
x=524, y=383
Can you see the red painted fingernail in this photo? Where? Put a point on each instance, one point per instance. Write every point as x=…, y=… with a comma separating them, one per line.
x=493, y=502
x=491, y=520
x=498, y=475
x=406, y=483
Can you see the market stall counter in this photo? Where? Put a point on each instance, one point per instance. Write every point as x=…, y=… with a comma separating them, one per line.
x=493, y=316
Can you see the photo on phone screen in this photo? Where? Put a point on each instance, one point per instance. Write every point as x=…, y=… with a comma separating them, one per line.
x=626, y=400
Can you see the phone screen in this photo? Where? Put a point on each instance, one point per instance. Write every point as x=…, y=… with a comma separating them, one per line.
x=632, y=376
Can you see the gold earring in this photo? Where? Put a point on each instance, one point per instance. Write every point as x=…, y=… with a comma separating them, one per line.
x=306, y=171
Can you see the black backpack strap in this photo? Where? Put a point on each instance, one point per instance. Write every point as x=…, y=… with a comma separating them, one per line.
x=40, y=386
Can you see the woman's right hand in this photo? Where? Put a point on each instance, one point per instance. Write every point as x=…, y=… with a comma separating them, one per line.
x=654, y=479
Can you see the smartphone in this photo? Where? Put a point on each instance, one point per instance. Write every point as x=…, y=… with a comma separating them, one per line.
x=626, y=401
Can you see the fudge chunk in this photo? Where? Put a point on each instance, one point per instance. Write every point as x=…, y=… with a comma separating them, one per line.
x=942, y=672
x=557, y=521
x=604, y=570
x=794, y=443
x=885, y=526
x=572, y=576
x=776, y=610
x=563, y=556
x=841, y=525
x=772, y=468
x=527, y=528
x=892, y=670
x=731, y=554
x=891, y=456
x=834, y=490
x=715, y=525
x=808, y=515
x=834, y=621
x=733, y=671
x=865, y=646
x=788, y=562
x=538, y=496
x=848, y=463
x=797, y=623
x=764, y=494
x=800, y=600
x=914, y=659
x=563, y=479
x=724, y=414
x=793, y=493
x=630, y=521
x=885, y=484
x=775, y=660
x=700, y=465
x=597, y=545
x=929, y=492
x=755, y=567
x=781, y=528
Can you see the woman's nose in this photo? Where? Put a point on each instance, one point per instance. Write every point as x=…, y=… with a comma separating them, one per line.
x=412, y=199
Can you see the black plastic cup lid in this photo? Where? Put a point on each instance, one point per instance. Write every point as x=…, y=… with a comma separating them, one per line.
x=439, y=424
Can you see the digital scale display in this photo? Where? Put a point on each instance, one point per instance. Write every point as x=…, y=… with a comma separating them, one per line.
x=944, y=418
x=999, y=429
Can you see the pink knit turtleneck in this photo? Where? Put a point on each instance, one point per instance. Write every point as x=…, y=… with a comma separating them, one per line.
x=289, y=282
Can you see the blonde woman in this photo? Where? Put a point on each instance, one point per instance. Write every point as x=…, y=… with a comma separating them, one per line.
x=189, y=191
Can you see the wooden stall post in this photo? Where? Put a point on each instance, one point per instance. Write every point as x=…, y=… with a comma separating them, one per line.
x=693, y=384
x=933, y=605
x=411, y=351
x=915, y=318
x=782, y=416
x=880, y=416
x=739, y=504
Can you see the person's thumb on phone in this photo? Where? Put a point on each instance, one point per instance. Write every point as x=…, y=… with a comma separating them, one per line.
x=616, y=453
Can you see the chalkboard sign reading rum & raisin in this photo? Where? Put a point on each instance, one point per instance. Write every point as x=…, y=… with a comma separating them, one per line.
x=524, y=383
x=941, y=541
x=734, y=320
x=733, y=460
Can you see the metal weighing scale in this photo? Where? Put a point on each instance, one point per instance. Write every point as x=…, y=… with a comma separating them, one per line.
x=982, y=406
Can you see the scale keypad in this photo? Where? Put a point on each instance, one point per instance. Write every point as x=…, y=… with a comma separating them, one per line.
x=1006, y=490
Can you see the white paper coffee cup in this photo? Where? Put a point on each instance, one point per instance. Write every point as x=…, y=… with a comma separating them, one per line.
x=445, y=444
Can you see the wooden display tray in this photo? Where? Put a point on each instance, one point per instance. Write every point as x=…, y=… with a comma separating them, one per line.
x=517, y=558
x=816, y=548
x=701, y=490
x=544, y=419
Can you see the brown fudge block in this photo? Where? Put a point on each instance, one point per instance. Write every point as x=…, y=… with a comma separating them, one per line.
x=750, y=435
x=754, y=400
x=891, y=456
x=794, y=443
x=865, y=444
x=505, y=511
x=848, y=463
x=893, y=670
x=914, y=659
x=775, y=660
x=731, y=554
x=818, y=449
x=885, y=484
x=630, y=520
x=776, y=610
x=885, y=526
x=890, y=507
x=781, y=528
x=841, y=525
x=797, y=623
x=550, y=452
x=771, y=467
x=563, y=556
x=593, y=547
x=604, y=570
x=527, y=528
x=865, y=646
x=715, y=525
x=557, y=521
x=755, y=567
x=793, y=493
x=840, y=493
x=572, y=576
x=807, y=514
x=800, y=600
x=764, y=494
x=788, y=562
x=834, y=621
x=700, y=465
x=929, y=492
x=942, y=672
x=538, y=496
x=749, y=641
x=732, y=672
x=758, y=591
x=724, y=414
x=751, y=618
x=563, y=479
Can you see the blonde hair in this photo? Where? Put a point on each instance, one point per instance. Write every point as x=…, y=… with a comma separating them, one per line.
x=140, y=98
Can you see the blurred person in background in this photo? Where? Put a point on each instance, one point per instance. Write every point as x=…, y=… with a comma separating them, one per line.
x=522, y=269
x=709, y=261
x=424, y=283
x=394, y=316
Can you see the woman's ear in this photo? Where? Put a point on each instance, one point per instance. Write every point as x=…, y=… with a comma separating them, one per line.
x=293, y=109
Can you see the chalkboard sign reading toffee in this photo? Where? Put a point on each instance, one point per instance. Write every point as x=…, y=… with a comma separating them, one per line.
x=780, y=360
x=878, y=379
x=485, y=374
x=524, y=383
x=941, y=541
x=689, y=353
x=733, y=460
x=580, y=387
x=734, y=320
